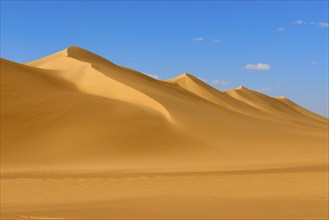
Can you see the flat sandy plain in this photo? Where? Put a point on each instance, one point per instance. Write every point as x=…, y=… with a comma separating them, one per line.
x=84, y=138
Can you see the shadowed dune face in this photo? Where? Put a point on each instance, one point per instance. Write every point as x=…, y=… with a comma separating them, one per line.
x=47, y=118
x=84, y=138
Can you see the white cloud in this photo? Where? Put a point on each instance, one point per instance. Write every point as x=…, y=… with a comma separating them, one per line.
x=299, y=21
x=266, y=89
x=280, y=29
x=259, y=67
x=199, y=38
x=323, y=24
x=315, y=62
x=152, y=75
x=220, y=82
x=280, y=83
x=216, y=41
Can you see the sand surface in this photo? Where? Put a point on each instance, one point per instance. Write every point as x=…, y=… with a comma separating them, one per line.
x=84, y=138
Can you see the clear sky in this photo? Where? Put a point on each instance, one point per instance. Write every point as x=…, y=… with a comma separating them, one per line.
x=277, y=47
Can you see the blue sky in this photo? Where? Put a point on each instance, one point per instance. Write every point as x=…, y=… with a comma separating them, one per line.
x=277, y=47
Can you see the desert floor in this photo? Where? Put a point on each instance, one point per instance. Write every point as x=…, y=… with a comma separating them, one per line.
x=283, y=193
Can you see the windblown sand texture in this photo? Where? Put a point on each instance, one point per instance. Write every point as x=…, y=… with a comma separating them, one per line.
x=84, y=138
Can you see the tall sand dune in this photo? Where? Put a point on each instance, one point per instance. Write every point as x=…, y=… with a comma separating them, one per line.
x=82, y=137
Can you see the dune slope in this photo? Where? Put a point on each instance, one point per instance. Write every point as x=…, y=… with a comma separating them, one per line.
x=76, y=119
x=76, y=101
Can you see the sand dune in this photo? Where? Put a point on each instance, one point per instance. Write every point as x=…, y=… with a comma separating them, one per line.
x=196, y=86
x=77, y=114
x=276, y=107
x=302, y=110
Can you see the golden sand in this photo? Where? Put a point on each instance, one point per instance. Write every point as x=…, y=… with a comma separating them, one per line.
x=84, y=138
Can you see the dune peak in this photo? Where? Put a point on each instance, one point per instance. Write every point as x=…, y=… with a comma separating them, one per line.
x=71, y=57
x=84, y=55
x=73, y=47
x=75, y=50
x=241, y=88
x=185, y=75
x=281, y=97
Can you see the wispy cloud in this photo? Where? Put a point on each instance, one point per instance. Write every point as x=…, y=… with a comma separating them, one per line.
x=302, y=22
x=214, y=40
x=258, y=67
x=220, y=82
x=299, y=22
x=199, y=38
x=280, y=29
x=279, y=83
x=323, y=24
x=265, y=89
x=315, y=62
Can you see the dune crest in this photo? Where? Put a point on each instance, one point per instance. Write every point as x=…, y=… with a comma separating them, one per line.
x=275, y=106
x=70, y=58
x=84, y=69
x=302, y=110
x=203, y=90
